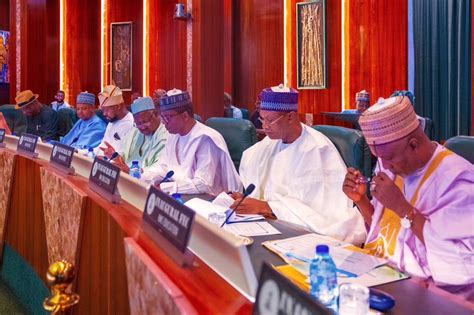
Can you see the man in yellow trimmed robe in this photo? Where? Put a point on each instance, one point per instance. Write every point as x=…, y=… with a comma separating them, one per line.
x=422, y=214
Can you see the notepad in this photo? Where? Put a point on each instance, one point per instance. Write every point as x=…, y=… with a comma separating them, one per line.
x=220, y=204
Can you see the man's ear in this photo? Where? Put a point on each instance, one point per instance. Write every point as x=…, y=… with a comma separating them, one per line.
x=293, y=116
x=414, y=144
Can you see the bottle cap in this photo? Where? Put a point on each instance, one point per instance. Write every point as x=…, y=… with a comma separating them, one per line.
x=134, y=162
x=90, y=149
x=322, y=249
x=176, y=195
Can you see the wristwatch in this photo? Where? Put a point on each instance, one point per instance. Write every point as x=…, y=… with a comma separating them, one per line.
x=407, y=220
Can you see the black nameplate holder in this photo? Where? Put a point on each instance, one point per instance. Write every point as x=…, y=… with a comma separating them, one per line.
x=61, y=158
x=104, y=178
x=169, y=223
x=2, y=137
x=278, y=295
x=27, y=145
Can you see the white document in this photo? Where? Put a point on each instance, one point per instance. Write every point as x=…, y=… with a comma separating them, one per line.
x=221, y=204
x=303, y=248
x=251, y=229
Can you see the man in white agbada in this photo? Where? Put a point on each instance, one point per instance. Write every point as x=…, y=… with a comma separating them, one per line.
x=146, y=141
x=197, y=154
x=298, y=173
x=120, y=121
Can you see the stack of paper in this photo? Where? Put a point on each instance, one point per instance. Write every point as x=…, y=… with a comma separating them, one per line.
x=302, y=248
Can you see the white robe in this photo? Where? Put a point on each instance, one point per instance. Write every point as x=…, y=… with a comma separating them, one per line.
x=116, y=133
x=302, y=183
x=200, y=161
x=446, y=199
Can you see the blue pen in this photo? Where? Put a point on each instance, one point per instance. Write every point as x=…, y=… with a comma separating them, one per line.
x=306, y=260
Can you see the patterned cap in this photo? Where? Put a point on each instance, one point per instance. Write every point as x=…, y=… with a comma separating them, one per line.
x=142, y=104
x=111, y=95
x=363, y=96
x=279, y=99
x=388, y=120
x=175, y=99
x=85, y=98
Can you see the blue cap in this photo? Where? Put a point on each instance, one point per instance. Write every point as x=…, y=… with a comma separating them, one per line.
x=142, y=104
x=85, y=98
x=322, y=249
x=279, y=99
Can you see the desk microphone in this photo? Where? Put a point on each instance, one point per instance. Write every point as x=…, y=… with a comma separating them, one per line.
x=167, y=177
x=114, y=155
x=250, y=188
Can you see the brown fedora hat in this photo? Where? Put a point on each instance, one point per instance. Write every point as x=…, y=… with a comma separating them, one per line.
x=24, y=98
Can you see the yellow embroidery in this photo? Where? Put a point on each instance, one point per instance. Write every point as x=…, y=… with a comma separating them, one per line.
x=386, y=241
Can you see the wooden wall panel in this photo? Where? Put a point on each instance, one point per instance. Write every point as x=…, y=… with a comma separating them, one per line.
x=25, y=228
x=126, y=11
x=378, y=49
x=208, y=57
x=4, y=25
x=257, y=48
x=39, y=62
x=167, y=47
x=81, y=48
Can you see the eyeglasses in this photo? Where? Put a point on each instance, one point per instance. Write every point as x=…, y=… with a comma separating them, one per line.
x=270, y=123
x=167, y=118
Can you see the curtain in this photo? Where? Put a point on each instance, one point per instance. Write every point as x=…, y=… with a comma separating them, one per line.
x=442, y=46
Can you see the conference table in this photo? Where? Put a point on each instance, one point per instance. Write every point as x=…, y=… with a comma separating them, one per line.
x=47, y=215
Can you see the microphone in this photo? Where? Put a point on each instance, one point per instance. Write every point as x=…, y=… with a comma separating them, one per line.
x=250, y=188
x=167, y=177
x=114, y=155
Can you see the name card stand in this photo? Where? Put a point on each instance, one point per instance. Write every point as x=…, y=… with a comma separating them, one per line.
x=169, y=223
x=27, y=145
x=61, y=158
x=2, y=137
x=104, y=178
x=278, y=295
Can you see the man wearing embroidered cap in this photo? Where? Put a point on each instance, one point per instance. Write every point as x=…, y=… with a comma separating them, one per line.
x=197, y=154
x=120, y=121
x=41, y=120
x=297, y=172
x=146, y=141
x=89, y=130
x=421, y=214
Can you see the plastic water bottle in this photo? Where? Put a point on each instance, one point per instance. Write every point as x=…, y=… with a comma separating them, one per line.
x=135, y=170
x=177, y=197
x=90, y=153
x=323, y=278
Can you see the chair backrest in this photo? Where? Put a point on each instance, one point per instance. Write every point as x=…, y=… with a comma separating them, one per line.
x=100, y=114
x=245, y=113
x=15, y=118
x=197, y=117
x=463, y=146
x=66, y=119
x=239, y=135
x=429, y=127
x=351, y=145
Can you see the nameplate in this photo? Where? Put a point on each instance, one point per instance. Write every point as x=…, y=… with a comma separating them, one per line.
x=2, y=137
x=172, y=222
x=104, y=178
x=27, y=144
x=278, y=295
x=61, y=157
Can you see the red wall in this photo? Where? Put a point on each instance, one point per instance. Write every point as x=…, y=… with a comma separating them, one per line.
x=82, y=48
x=39, y=48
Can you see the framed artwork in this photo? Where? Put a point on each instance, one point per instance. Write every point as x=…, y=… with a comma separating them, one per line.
x=311, y=44
x=121, y=51
x=4, y=48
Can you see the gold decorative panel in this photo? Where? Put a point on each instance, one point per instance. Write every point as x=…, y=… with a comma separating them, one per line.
x=62, y=207
x=6, y=177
